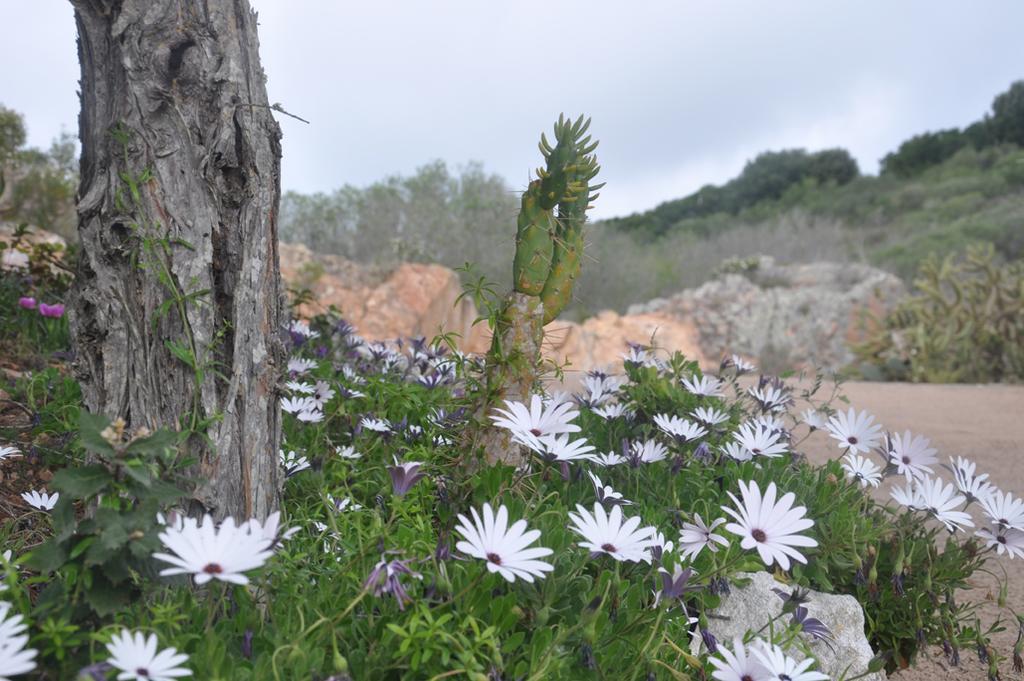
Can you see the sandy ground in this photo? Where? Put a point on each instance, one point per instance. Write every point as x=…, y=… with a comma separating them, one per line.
x=983, y=422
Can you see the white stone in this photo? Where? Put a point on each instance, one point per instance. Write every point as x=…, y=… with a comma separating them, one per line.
x=750, y=608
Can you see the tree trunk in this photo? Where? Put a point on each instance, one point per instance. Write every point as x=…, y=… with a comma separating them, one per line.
x=177, y=308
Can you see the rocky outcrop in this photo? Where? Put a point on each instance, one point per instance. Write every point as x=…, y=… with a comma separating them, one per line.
x=12, y=258
x=780, y=316
x=784, y=316
x=750, y=607
x=409, y=300
x=600, y=341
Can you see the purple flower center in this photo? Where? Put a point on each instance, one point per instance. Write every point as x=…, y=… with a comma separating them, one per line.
x=758, y=535
x=1001, y=539
x=610, y=548
x=213, y=569
x=536, y=432
x=142, y=671
x=746, y=677
x=756, y=450
x=852, y=439
x=494, y=558
x=906, y=459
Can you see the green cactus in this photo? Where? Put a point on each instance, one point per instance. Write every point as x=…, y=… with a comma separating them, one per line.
x=534, y=243
x=964, y=323
x=549, y=247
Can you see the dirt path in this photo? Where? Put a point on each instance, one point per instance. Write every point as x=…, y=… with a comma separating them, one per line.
x=982, y=422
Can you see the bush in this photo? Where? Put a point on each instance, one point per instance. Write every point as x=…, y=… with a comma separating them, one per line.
x=375, y=582
x=963, y=323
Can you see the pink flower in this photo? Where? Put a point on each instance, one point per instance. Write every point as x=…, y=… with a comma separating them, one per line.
x=56, y=310
x=27, y=303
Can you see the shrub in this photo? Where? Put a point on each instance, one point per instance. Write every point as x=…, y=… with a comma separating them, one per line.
x=374, y=584
x=964, y=322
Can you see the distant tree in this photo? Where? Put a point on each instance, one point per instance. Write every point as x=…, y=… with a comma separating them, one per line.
x=12, y=133
x=1008, y=115
x=37, y=187
x=923, y=151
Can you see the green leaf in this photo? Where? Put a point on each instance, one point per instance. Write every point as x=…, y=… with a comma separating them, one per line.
x=47, y=557
x=82, y=482
x=90, y=426
x=106, y=598
x=139, y=472
x=156, y=443
x=164, y=492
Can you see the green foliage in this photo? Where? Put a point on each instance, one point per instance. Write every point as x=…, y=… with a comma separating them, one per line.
x=922, y=151
x=964, y=322
x=766, y=178
x=104, y=528
x=36, y=187
x=309, y=612
x=1007, y=123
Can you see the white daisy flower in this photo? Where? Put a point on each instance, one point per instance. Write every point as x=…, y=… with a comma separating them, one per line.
x=322, y=394
x=606, y=533
x=15, y=658
x=974, y=486
x=560, y=448
x=782, y=667
x=209, y=552
x=310, y=416
x=348, y=452
x=760, y=441
x=1004, y=510
x=270, y=529
x=612, y=411
x=659, y=546
x=648, y=451
x=941, y=501
x=1003, y=540
x=298, y=365
x=814, y=418
x=735, y=450
x=352, y=375
x=301, y=327
x=908, y=496
x=299, y=387
x=862, y=469
x=705, y=386
x=769, y=397
x=542, y=418
x=606, y=494
x=295, y=405
x=737, y=664
x=857, y=432
x=769, y=422
x=679, y=428
x=609, y=459
x=343, y=504
x=138, y=659
x=40, y=499
x=710, y=416
x=911, y=455
x=7, y=452
x=697, y=535
x=292, y=463
x=742, y=366
x=503, y=547
x=768, y=525
x=599, y=389
x=375, y=424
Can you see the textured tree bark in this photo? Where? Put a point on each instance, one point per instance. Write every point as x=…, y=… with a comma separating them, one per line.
x=183, y=78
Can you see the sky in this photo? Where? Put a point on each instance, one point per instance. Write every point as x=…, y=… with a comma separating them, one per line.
x=681, y=93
